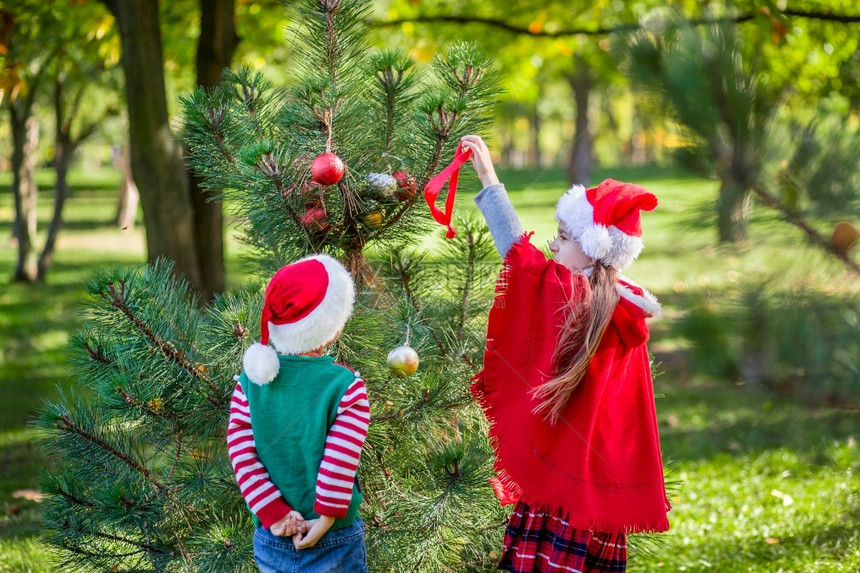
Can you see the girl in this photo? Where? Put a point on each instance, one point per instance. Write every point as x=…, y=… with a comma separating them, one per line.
x=566, y=383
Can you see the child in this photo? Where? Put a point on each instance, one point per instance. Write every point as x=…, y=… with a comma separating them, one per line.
x=566, y=383
x=297, y=425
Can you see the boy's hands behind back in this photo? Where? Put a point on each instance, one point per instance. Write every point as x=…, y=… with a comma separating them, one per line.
x=317, y=528
x=289, y=525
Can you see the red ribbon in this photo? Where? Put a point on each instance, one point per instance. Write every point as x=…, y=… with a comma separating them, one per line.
x=434, y=186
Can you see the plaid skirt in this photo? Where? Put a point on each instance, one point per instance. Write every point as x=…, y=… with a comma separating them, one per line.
x=540, y=543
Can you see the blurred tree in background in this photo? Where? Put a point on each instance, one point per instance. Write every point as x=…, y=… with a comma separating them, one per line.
x=181, y=225
x=86, y=94
x=73, y=46
x=737, y=114
x=64, y=61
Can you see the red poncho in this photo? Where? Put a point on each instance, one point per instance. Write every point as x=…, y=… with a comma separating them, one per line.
x=601, y=463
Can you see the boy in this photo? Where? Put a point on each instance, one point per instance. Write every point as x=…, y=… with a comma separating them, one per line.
x=297, y=425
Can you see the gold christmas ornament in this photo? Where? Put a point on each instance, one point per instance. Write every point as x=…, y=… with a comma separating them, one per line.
x=373, y=219
x=403, y=361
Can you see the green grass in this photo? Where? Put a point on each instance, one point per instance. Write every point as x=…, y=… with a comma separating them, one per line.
x=765, y=484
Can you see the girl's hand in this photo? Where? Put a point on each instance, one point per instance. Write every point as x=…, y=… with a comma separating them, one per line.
x=318, y=527
x=481, y=159
x=289, y=525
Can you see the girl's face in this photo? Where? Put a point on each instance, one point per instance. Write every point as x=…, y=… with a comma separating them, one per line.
x=566, y=251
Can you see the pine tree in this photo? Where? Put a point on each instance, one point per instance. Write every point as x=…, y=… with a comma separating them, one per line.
x=141, y=479
x=390, y=129
x=798, y=161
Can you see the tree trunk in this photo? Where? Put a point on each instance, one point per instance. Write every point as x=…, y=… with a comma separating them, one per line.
x=129, y=197
x=25, y=138
x=537, y=158
x=156, y=160
x=62, y=159
x=734, y=204
x=64, y=150
x=506, y=143
x=581, y=158
x=733, y=207
x=218, y=41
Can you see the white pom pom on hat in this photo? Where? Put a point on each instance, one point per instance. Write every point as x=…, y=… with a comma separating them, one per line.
x=605, y=220
x=261, y=363
x=307, y=303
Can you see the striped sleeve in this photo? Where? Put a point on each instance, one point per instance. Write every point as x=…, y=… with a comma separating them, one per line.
x=261, y=495
x=343, y=445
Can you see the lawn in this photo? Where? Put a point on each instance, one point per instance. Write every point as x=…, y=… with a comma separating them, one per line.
x=763, y=483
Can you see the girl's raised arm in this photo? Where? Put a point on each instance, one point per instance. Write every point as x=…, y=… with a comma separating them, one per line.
x=493, y=200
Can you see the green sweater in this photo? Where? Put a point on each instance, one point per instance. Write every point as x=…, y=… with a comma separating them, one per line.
x=291, y=417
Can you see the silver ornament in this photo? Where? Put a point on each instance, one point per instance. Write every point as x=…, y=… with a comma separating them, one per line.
x=381, y=182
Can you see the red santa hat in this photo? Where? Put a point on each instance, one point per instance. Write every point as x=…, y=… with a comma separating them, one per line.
x=605, y=220
x=307, y=303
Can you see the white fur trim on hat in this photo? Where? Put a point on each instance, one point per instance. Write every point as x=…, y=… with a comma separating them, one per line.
x=326, y=320
x=624, y=249
x=261, y=363
x=609, y=244
x=576, y=214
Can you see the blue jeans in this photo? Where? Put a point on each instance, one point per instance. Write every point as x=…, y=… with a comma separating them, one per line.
x=338, y=551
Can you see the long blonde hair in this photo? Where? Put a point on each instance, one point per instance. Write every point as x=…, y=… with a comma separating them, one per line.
x=582, y=332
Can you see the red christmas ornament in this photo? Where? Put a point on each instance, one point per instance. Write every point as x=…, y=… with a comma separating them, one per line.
x=315, y=219
x=327, y=169
x=407, y=186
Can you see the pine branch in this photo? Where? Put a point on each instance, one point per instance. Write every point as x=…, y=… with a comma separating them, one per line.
x=269, y=167
x=422, y=403
x=411, y=409
x=215, y=117
x=117, y=299
x=389, y=83
x=813, y=235
x=178, y=453
x=468, y=361
x=392, y=221
x=66, y=424
x=331, y=38
x=467, y=284
x=144, y=547
x=152, y=411
x=75, y=500
x=601, y=30
x=96, y=355
x=250, y=93
x=403, y=274
x=100, y=556
x=440, y=122
x=391, y=73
